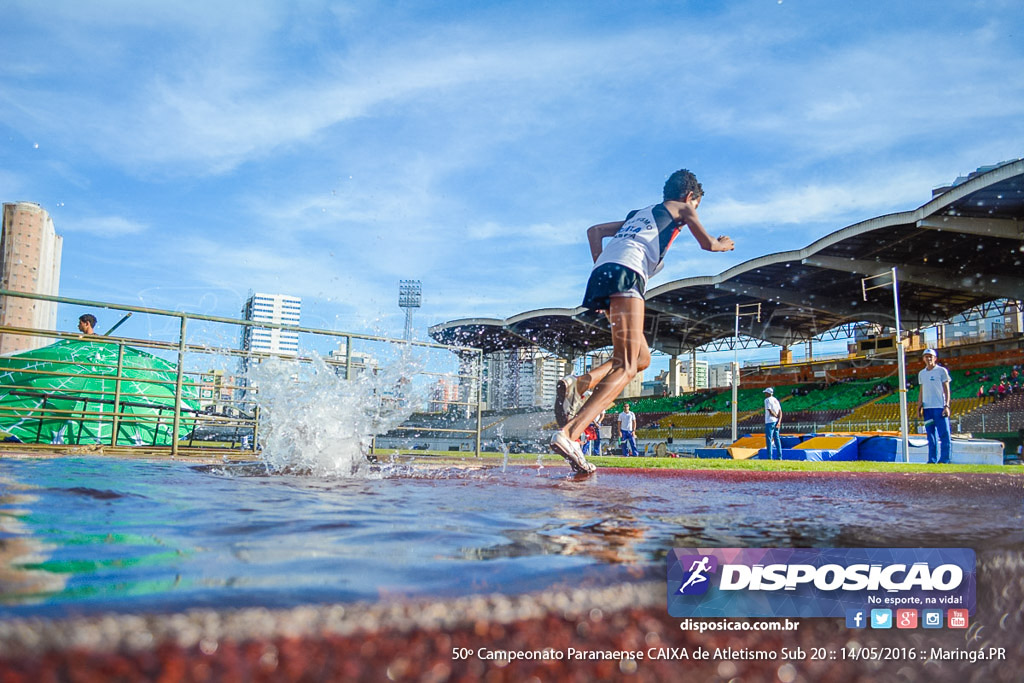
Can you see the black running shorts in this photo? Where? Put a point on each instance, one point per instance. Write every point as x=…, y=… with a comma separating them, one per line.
x=609, y=279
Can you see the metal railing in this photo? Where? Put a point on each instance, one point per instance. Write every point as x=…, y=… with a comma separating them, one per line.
x=92, y=395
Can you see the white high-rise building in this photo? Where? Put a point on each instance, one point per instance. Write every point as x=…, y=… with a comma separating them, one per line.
x=720, y=375
x=692, y=375
x=272, y=308
x=521, y=378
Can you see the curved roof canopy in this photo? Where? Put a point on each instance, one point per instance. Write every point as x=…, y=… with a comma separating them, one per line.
x=963, y=248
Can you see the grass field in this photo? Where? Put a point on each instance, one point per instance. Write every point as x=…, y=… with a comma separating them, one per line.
x=714, y=463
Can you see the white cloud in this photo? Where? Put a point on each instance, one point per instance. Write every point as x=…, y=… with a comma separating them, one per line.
x=831, y=205
x=552, y=236
x=103, y=226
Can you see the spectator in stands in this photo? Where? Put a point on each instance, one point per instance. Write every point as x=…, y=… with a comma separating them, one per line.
x=1001, y=389
x=934, y=407
x=627, y=425
x=635, y=252
x=981, y=391
x=772, y=422
x=87, y=324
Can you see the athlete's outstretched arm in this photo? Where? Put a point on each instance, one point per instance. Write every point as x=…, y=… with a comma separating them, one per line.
x=688, y=215
x=597, y=233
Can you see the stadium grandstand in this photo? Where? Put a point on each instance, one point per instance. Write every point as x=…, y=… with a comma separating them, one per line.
x=961, y=252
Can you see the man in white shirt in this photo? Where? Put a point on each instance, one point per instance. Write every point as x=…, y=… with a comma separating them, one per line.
x=933, y=407
x=772, y=422
x=627, y=425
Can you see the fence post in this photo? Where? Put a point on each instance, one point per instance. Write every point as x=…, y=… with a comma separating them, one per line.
x=177, y=387
x=479, y=397
x=348, y=358
x=117, y=393
x=255, y=427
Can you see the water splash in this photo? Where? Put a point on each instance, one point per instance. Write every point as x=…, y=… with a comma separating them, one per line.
x=314, y=420
x=499, y=434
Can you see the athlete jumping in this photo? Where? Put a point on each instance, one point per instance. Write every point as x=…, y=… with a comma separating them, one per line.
x=616, y=288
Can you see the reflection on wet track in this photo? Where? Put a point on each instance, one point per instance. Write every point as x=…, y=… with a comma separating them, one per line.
x=98, y=534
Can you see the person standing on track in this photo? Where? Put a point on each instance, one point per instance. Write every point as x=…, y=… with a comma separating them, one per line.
x=933, y=407
x=772, y=422
x=635, y=252
x=627, y=425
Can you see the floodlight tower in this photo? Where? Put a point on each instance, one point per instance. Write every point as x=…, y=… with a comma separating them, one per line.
x=410, y=296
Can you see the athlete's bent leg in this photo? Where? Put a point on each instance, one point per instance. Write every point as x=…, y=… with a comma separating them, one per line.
x=630, y=355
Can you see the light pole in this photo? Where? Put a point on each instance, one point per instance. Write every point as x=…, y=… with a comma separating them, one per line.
x=901, y=362
x=410, y=296
x=755, y=310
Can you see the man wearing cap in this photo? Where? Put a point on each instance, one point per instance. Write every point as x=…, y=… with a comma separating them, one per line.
x=934, y=407
x=772, y=422
x=627, y=425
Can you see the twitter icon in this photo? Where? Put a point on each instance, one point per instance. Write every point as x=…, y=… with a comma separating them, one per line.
x=881, y=618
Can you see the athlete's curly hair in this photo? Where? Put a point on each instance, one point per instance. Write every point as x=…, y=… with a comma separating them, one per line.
x=679, y=184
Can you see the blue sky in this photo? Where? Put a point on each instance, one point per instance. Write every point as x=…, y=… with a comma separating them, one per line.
x=191, y=151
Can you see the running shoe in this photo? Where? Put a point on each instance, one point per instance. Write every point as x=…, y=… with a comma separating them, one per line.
x=571, y=451
x=567, y=401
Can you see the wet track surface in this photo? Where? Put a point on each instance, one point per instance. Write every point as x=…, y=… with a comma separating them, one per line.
x=579, y=562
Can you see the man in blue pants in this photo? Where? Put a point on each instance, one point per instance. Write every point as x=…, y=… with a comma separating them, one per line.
x=934, y=407
x=772, y=422
x=627, y=425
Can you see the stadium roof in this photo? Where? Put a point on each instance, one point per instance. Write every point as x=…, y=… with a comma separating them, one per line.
x=963, y=248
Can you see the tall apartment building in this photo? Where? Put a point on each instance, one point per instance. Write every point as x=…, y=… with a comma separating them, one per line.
x=443, y=394
x=690, y=375
x=30, y=252
x=272, y=308
x=360, y=361
x=634, y=389
x=720, y=375
x=521, y=378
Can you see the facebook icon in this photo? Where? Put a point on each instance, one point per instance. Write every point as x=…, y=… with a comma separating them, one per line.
x=856, y=618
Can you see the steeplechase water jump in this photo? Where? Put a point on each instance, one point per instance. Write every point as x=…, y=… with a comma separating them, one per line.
x=635, y=252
